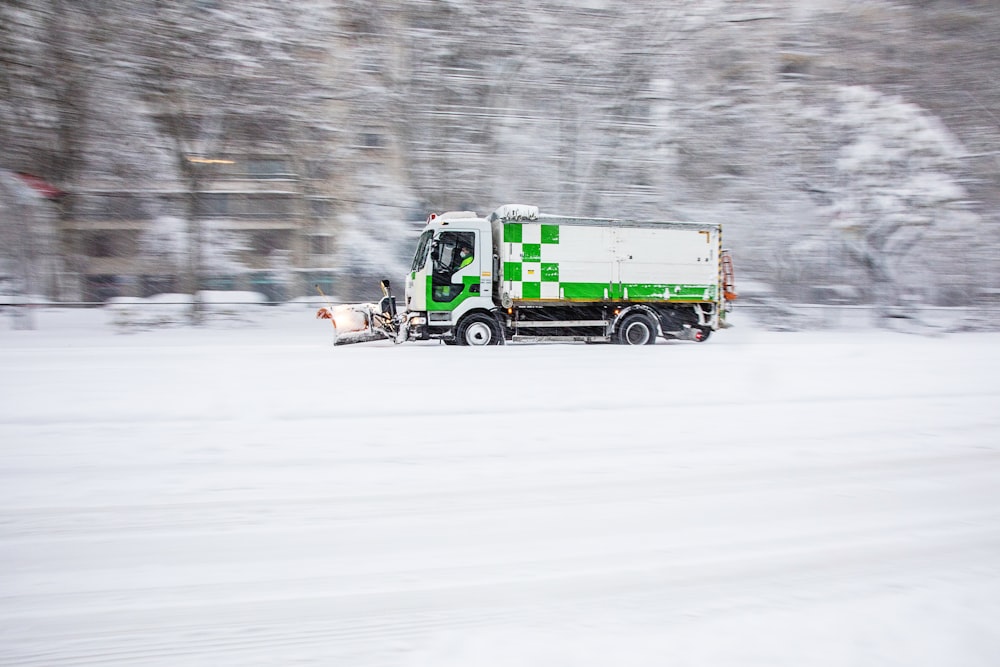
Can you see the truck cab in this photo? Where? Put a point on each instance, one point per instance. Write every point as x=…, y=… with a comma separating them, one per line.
x=451, y=280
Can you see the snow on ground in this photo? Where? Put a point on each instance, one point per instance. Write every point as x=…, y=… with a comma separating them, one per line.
x=246, y=494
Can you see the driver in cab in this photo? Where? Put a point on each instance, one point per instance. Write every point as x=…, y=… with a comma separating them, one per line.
x=464, y=257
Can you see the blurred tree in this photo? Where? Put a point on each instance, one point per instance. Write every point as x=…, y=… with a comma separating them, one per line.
x=723, y=110
x=223, y=79
x=27, y=245
x=45, y=85
x=894, y=182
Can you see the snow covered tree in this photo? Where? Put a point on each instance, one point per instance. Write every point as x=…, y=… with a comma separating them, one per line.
x=28, y=244
x=894, y=184
x=224, y=79
x=45, y=90
x=722, y=111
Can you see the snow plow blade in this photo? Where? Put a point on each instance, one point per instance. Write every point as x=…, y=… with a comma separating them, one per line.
x=357, y=337
x=365, y=322
x=353, y=323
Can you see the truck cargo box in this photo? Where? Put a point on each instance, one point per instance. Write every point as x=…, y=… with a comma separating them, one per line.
x=560, y=259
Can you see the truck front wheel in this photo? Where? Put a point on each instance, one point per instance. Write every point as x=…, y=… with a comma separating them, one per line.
x=479, y=329
x=638, y=329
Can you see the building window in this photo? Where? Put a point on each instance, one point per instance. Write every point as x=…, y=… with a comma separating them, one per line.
x=271, y=285
x=211, y=204
x=320, y=245
x=258, y=128
x=113, y=207
x=267, y=242
x=268, y=168
x=99, y=244
x=102, y=287
x=152, y=285
x=222, y=204
x=320, y=208
x=218, y=282
x=266, y=207
x=320, y=281
x=317, y=169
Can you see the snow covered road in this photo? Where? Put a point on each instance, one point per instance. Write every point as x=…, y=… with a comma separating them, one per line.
x=256, y=497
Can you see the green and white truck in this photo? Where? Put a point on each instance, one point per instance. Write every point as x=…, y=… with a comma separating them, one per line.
x=521, y=275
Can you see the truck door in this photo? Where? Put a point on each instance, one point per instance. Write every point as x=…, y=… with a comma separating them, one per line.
x=454, y=270
x=416, y=297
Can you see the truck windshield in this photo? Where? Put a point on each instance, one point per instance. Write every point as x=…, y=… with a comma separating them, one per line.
x=423, y=248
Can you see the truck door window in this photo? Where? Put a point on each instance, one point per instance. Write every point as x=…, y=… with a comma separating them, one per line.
x=452, y=251
x=423, y=249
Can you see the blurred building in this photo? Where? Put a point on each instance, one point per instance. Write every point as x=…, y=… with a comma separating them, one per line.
x=139, y=242
x=219, y=175
x=253, y=224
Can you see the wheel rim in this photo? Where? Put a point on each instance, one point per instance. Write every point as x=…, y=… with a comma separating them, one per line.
x=478, y=333
x=636, y=333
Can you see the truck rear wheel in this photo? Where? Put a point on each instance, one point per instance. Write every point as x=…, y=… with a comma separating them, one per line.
x=479, y=329
x=637, y=329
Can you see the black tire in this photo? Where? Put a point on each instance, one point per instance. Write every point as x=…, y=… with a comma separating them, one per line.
x=702, y=334
x=479, y=329
x=636, y=329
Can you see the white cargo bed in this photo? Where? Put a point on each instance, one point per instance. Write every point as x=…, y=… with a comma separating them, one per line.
x=591, y=260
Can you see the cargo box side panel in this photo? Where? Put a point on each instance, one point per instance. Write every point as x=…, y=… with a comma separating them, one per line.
x=549, y=262
x=585, y=263
x=670, y=264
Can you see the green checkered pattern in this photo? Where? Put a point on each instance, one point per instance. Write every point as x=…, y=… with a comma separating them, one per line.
x=531, y=278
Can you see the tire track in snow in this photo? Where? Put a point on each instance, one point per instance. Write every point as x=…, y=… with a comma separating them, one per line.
x=372, y=620
x=58, y=523
x=533, y=406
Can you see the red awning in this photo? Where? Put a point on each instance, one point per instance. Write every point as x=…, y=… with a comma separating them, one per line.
x=41, y=186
